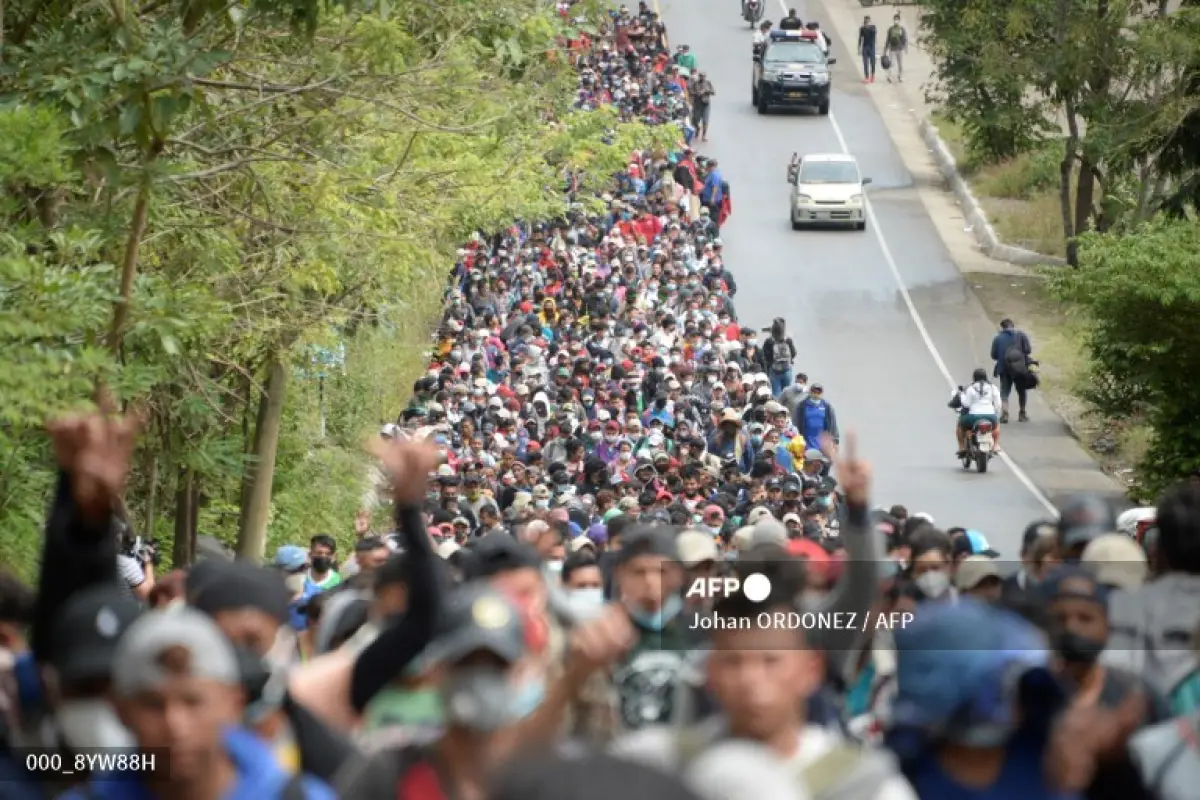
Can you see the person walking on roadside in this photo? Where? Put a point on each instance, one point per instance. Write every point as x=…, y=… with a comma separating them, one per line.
x=895, y=45
x=702, y=94
x=1011, y=350
x=866, y=49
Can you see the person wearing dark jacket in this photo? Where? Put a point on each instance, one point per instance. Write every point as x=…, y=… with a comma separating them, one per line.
x=1011, y=350
x=866, y=49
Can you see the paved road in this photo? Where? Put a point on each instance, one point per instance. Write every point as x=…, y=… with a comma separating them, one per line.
x=840, y=291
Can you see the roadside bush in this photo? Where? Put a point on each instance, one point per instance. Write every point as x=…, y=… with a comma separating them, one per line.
x=1139, y=295
x=1025, y=176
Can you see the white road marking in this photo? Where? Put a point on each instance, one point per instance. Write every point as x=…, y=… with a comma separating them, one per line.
x=873, y=224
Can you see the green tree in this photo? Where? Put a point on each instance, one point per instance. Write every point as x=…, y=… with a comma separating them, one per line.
x=1140, y=297
x=197, y=194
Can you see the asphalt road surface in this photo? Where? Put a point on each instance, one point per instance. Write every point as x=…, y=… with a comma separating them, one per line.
x=882, y=318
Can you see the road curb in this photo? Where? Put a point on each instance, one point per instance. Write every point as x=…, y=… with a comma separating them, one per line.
x=981, y=228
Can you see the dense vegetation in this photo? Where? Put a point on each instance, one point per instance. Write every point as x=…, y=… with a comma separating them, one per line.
x=239, y=217
x=1112, y=89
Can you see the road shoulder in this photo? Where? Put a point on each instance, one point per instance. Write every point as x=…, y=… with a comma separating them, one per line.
x=1003, y=289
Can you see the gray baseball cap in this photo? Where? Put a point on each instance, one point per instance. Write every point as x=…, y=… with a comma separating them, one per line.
x=476, y=617
x=138, y=665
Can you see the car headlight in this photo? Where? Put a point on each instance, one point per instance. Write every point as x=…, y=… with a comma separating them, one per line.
x=820, y=78
x=769, y=75
x=803, y=200
x=855, y=199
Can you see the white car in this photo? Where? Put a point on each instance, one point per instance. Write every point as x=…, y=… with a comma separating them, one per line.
x=827, y=189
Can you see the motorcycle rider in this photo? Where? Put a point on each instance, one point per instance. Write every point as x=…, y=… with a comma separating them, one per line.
x=749, y=13
x=979, y=401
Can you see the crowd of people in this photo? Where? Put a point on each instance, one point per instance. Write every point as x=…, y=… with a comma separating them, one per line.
x=599, y=445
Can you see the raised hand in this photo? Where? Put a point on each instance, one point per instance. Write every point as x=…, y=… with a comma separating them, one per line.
x=408, y=465
x=853, y=474
x=96, y=450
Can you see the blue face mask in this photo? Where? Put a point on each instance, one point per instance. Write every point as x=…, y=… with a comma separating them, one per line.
x=528, y=698
x=657, y=620
x=731, y=555
x=586, y=602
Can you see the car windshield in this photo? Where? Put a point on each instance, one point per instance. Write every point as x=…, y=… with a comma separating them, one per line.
x=829, y=172
x=795, y=53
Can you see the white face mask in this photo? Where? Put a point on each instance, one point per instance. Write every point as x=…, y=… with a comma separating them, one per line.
x=625, y=455
x=933, y=584
x=92, y=724
x=554, y=567
x=586, y=603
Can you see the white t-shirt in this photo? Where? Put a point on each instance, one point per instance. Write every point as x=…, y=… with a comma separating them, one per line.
x=981, y=398
x=658, y=747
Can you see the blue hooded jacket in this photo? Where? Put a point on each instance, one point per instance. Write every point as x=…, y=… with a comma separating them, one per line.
x=259, y=777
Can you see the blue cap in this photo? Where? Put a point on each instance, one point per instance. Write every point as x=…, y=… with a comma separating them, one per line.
x=980, y=546
x=291, y=558
x=574, y=529
x=966, y=661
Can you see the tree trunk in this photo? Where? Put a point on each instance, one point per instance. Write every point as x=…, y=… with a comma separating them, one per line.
x=150, y=518
x=185, y=529
x=133, y=244
x=1085, y=196
x=1064, y=200
x=260, y=473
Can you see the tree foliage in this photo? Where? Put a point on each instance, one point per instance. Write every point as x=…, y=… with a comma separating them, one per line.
x=195, y=193
x=1140, y=296
x=1114, y=81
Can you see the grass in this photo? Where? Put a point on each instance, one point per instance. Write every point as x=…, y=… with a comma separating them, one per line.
x=1020, y=195
x=1059, y=339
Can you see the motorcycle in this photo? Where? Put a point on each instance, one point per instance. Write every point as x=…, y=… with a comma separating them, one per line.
x=981, y=446
x=752, y=11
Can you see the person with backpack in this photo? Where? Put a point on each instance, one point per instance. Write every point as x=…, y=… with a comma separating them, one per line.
x=730, y=443
x=1011, y=350
x=779, y=353
x=895, y=45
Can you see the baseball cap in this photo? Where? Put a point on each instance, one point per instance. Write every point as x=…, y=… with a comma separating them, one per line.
x=84, y=638
x=769, y=530
x=952, y=657
x=974, y=570
x=757, y=513
x=139, y=663
x=1114, y=559
x=291, y=558
x=743, y=538
x=1033, y=532
x=476, y=617
x=695, y=548
x=813, y=454
x=980, y=545
x=1083, y=518
x=499, y=552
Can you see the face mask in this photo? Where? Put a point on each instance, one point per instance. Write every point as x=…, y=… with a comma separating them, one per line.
x=483, y=699
x=396, y=707
x=321, y=563
x=657, y=620
x=92, y=723
x=543, y=504
x=933, y=584
x=586, y=603
x=731, y=555
x=596, y=436
x=554, y=567
x=711, y=379
x=1076, y=649
x=625, y=456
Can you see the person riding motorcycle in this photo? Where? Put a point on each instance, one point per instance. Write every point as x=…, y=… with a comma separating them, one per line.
x=979, y=401
x=750, y=14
